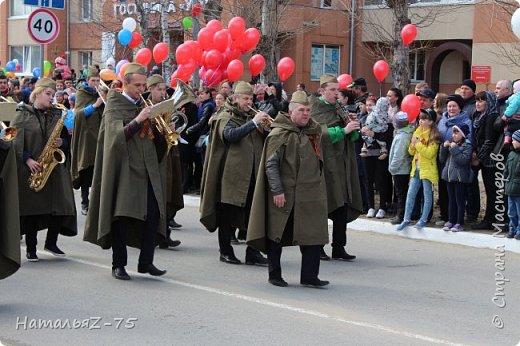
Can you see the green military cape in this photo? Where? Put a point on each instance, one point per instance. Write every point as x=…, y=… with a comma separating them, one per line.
x=56, y=197
x=228, y=168
x=303, y=185
x=86, y=129
x=340, y=166
x=121, y=174
x=9, y=218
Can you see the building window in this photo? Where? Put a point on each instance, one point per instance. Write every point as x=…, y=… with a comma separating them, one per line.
x=383, y=3
x=324, y=59
x=85, y=58
x=326, y=3
x=17, y=8
x=417, y=60
x=86, y=10
x=28, y=57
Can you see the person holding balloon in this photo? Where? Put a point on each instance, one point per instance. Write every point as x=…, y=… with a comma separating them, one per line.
x=344, y=200
x=87, y=119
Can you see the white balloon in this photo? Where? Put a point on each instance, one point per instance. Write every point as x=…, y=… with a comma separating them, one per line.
x=15, y=61
x=515, y=23
x=129, y=24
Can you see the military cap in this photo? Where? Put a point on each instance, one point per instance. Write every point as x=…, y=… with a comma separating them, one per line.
x=243, y=88
x=154, y=79
x=46, y=83
x=135, y=68
x=93, y=72
x=300, y=97
x=328, y=78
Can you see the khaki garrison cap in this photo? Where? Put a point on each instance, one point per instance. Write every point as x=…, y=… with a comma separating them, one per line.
x=299, y=97
x=46, y=83
x=154, y=79
x=328, y=78
x=243, y=88
x=135, y=68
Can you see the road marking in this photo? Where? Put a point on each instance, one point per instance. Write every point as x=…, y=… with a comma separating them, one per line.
x=266, y=302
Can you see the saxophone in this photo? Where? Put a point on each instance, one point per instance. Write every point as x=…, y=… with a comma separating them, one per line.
x=50, y=156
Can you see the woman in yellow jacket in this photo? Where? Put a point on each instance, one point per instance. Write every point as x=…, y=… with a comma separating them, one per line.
x=423, y=147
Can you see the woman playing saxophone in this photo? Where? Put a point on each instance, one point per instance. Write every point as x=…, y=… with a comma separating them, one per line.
x=52, y=207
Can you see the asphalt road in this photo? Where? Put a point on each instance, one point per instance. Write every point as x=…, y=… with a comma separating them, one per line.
x=398, y=292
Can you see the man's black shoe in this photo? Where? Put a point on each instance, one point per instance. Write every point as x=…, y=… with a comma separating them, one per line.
x=396, y=220
x=278, y=282
x=31, y=256
x=324, y=256
x=150, y=269
x=174, y=224
x=169, y=243
x=120, y=273
x=482, y=225
x=231, y=259
x=316, y=283
x=340, y=254
x=257, y=259
x=234, y=239
x=55, y=250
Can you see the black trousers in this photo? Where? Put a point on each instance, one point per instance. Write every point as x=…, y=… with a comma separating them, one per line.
x=148, y=234
x=339, y=226
x=456, y=196
x=31, y=234
x=85, y=179
x=401, y=190
x=310, y=261
x=443, y=200
x=377, y=173
x=473, y=196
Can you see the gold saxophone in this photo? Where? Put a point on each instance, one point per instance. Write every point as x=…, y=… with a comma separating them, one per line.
x=50, y=156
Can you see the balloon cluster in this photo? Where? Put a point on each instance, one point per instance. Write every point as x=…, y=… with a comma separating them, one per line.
x=217, y=51
x=11, y=67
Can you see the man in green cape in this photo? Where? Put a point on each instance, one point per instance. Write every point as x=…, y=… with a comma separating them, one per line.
x=127, y=205
x=290, y=203
x=9, y=215
x=230, y=168
x=344, y=202
x=87, y=117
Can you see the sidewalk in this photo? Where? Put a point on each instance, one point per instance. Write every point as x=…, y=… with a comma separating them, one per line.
x=473, y=239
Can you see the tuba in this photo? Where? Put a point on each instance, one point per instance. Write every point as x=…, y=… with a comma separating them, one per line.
x=50, y=156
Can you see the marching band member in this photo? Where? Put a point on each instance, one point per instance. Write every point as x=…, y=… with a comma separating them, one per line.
x=53, y=206
x=87, y=117
x=127, y=204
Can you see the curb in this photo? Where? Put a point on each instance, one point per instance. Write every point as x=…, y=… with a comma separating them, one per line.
x=478, y=240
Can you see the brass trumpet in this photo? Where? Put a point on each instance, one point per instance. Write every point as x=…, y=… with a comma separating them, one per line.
x=267, y=122
x=8, y=133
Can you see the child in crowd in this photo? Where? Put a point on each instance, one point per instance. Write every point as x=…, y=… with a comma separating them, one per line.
x=423, y=147
x=512, y=187
x=377, y=121
x=400, y=163
x=457, y=172
x=513, y=107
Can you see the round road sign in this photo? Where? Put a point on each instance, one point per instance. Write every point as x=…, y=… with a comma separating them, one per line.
x=43, y=26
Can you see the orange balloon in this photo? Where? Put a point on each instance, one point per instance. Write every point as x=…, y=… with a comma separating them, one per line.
x=122, y=71
x=107, y=74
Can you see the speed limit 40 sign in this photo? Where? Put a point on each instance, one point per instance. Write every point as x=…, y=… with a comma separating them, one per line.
x=43, y=26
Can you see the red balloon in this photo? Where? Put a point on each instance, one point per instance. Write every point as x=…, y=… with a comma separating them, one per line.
x=236, y=43
x=214, y=25
x=236, y=27
x=285, y=68
x=160, y=52
x=251, y=39
x=195, y=51
x=18, y=67
x=235, y=70
x=411, y=105
x=183, y=54
x=143, y=56
x=195, y=10
x=184, y=71
x=213, y=59
x=205, y=38
x=221, y=40
x=381, y=70
x=344, y=80
x=173, y=80
x=408, y=34
x=202, y=72
x=136, y=40
x=212, y=77
x=230, y=55
x=256, y=64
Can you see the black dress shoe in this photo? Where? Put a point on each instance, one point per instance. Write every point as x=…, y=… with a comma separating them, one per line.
x=120, y=273
x=340, y=254
x=231, y=259
x=278, y=282
x=169, y=243
x=396, y=220
x=482, y=225
x=324, y=256
x=316, y=283
x=174, y=224
x=55, y=250
x=150, y=269
x=257, y=259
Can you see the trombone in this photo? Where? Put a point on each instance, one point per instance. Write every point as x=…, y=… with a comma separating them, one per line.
x=102, y=88
x=267, y=122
